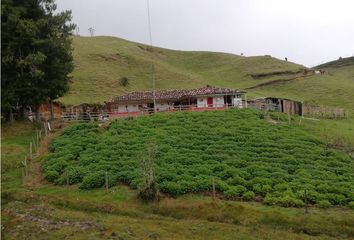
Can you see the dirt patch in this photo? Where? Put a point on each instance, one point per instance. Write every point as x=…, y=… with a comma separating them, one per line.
x=49, y=224
x=278, y=81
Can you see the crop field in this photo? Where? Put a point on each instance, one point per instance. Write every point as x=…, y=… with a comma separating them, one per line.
x=249, y=157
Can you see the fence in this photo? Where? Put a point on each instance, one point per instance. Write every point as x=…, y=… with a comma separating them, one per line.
x=324, y=112
x=103, y=116
x=307, y=111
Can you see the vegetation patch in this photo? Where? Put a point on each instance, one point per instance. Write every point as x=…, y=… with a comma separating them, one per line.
x=248, y=157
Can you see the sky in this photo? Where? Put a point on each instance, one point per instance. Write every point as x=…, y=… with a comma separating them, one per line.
x=308, y=32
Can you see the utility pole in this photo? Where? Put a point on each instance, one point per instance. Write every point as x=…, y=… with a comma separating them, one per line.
x=152, y=60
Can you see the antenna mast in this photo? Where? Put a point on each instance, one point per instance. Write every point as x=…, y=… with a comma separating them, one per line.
x=152, y=61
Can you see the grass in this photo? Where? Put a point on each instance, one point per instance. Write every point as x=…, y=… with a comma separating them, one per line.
x=101, y=61
x=334, y=88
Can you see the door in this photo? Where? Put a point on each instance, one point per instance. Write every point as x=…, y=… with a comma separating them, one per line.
x=210, y=101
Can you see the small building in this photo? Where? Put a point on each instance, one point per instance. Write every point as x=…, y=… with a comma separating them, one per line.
x=278, y=104
x=204, y=98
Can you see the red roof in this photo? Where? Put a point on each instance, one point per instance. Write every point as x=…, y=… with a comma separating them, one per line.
x=173, y=94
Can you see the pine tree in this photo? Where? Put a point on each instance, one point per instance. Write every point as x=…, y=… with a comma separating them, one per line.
x=36, y=53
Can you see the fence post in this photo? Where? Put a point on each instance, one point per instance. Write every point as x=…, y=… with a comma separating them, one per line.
x=45, y=128
x=23, y=175
x=37, y=136
x=30, y=151
x=106, y=181
x=289, y=119
x=306, y=202
x=67, y=178
x=213, y=187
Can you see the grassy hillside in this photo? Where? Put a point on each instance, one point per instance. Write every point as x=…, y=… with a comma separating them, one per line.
x=341, y=62
x=101, y=61
x=334, y=88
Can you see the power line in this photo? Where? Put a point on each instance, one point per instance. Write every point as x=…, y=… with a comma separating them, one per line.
x=152, y=60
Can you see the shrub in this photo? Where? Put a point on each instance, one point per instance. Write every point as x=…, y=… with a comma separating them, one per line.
x=249, y=195
x=149, y=193
x=75, y=174
x=51, y=176
x=235, y=146
x=324, y=204
x=235, y=191
x=351, y=204
x=93, y=180
x=124, y=81
x=284, y=201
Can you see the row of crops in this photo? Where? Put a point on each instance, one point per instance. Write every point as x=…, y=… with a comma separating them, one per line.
x=249, y=157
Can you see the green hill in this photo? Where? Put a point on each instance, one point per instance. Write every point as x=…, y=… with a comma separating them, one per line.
x=341, y=62
x=333, y=88
x=101, y=61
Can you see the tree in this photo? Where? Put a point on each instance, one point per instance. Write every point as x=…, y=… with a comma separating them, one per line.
x=36, y=53
x=149, y=190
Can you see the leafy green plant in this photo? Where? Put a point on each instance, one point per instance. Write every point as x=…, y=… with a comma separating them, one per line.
x=249, y=157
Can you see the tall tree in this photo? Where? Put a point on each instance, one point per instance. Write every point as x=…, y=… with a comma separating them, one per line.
x=36, y=53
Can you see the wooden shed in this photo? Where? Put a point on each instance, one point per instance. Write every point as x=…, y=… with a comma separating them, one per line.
x=279, y=104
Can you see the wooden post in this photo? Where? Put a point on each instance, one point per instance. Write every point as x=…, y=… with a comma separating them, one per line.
x=67, y=178
x=37, y=136
x=306, y=202
x=26, y=167
x=300, y=121
x=30, y=151
x=289, y=119
x=45, y=128
x=106, y=181
x=23, y=175
x=213, y=187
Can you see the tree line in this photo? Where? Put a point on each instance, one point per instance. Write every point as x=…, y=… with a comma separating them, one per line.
x=36, y=55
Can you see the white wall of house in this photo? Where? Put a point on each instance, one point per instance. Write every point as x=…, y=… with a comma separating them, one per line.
x=202, y=102
x=164, y=106
x=219, y=101
x=128, y=108
x=237, y=101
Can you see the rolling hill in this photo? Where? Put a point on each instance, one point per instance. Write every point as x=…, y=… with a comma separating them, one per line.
x=101, y=61
x=334, y=88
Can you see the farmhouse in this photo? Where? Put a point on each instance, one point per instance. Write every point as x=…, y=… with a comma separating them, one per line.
x=171, y=100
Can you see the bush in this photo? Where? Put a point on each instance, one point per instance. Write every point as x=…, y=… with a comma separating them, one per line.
x=124, y=81
x=284, y=201
x=235, y=191
x=149, y=193
x=75, y=174
x=51, y=176
x=351, y=205
x=93, y=180
x=235, y=146
x=248, y=196
x=324, y=204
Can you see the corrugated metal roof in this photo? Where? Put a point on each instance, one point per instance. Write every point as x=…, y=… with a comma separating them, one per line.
x=173, y=94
